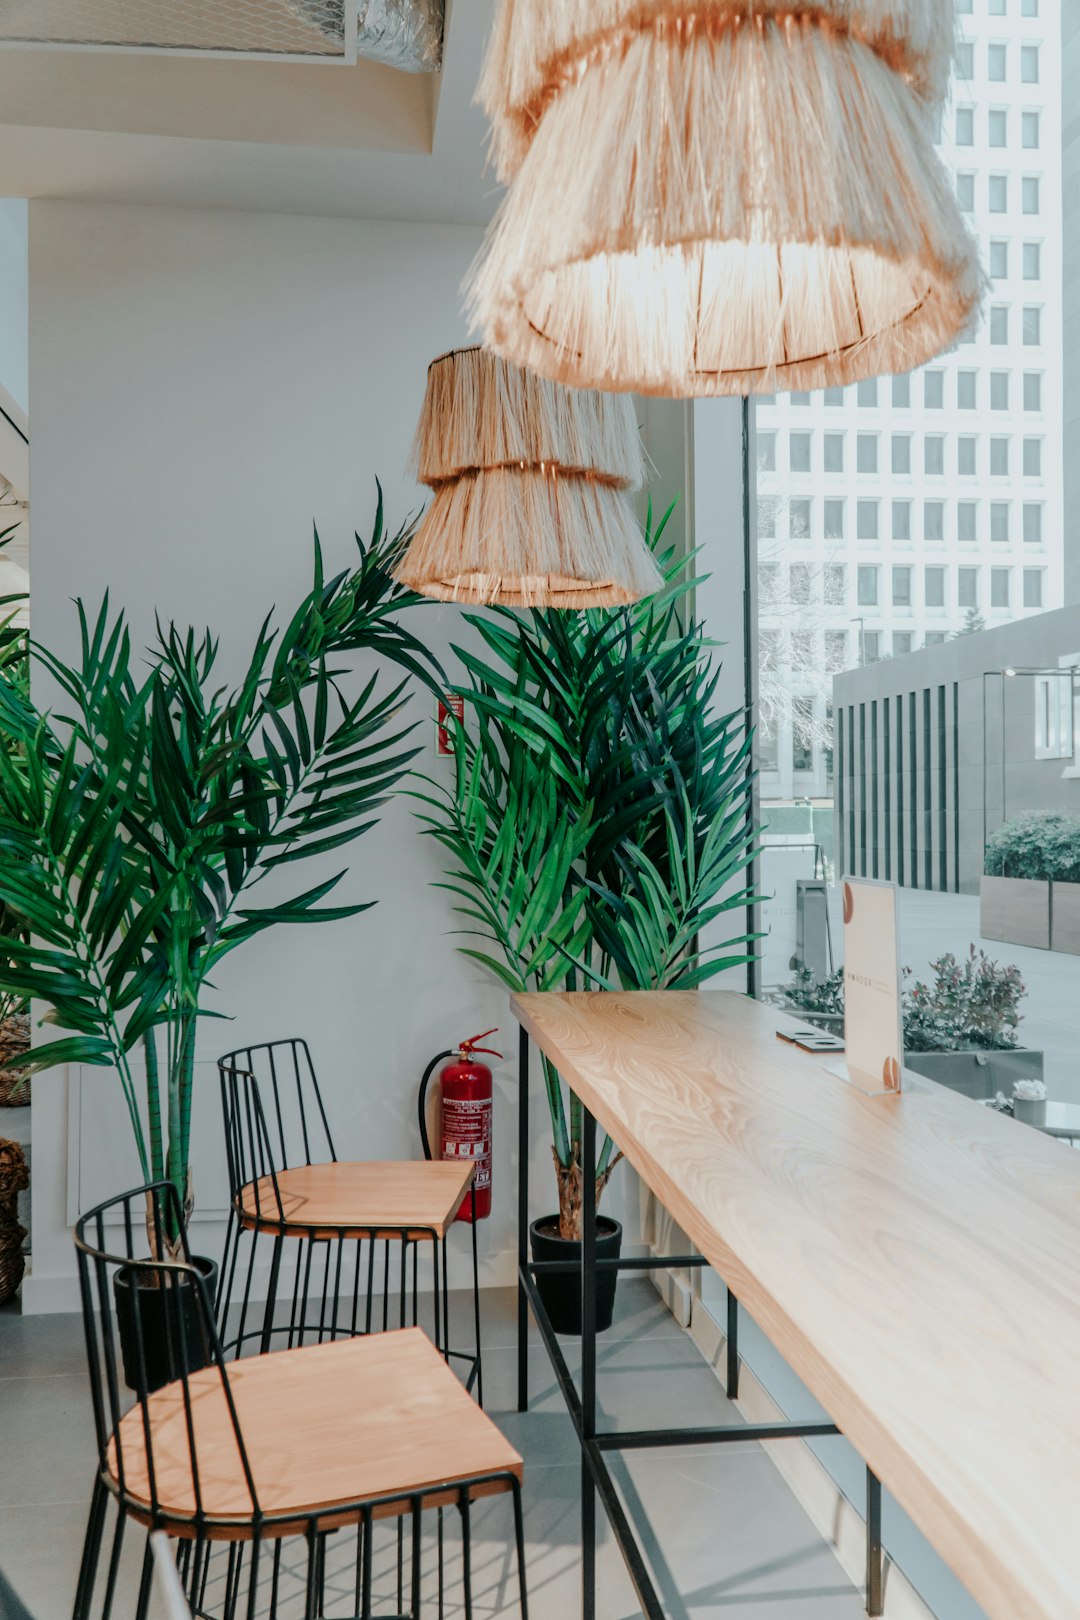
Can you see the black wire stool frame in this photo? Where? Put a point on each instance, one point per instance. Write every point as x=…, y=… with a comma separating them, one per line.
x=257, y=1149
x=193, y=1345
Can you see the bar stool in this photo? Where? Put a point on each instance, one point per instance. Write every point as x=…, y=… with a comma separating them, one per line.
x=286, y=1183
x=248, y=1464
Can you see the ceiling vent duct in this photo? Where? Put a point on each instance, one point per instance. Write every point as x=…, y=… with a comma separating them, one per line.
x=405, y=34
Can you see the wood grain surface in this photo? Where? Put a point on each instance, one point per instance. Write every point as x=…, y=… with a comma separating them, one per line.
x=324, y=1425
x=318, y=1199
x=915, y=1259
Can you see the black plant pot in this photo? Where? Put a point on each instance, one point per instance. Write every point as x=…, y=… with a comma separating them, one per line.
x=163, y=1314
x=561, y=1290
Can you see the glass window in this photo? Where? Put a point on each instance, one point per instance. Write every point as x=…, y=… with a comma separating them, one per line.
x=934, y=638
x=1032, y=261
x=901, y=643
x=1029, y=64
x=866, y=452
x=766, y=517
x=901, y=587
x=1033, y=390
x=868, y=586
x=901, y=520
x=835, y=584
x=1032, y=458
x=967, y=587
x=1033, y=587
x=999, y=261
x=1029, y=194
x=834, y=452
x=834, y=520
x=901, y=390
x=867, y=391
x=799, y=514
x=1029, y=130
x=871, y=644
x=866, y=520
x=965, y=60
x=799, y=582
x=901, y=452
x=999, y=521
x=934, y=390
x=965, y=390
x=766, y=452
x=965, y=192
x=933, y=520
x=999, y=194
x=997, y=8
x=934, y=453
x=799, y=452
x=965, y=454
x=802, y=650
x=999, y=390
x=999, y=458
x=765, y=739
x=1033, y=530
x=799, y=396
x=934, y=587
x=965, y=126
x=999, y=587
x=1032, y=326
x=965, y=8
x=834, y=396
x=999, y=323
x=996, y=63
x=966, y=520
x=998, y=127
x=768, y=576
x=1029, y=8
x=836, y=650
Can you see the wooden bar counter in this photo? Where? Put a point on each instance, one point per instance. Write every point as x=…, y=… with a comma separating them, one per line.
x=915, y=1259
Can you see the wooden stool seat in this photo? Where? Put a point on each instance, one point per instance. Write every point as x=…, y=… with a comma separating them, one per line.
x=381, y=1199
x=325, y=1427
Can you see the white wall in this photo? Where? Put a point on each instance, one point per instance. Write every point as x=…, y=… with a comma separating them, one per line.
x=204, y=385
x=13, y=301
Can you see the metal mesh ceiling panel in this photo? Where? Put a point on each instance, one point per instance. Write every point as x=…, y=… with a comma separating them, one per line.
x=275, y=27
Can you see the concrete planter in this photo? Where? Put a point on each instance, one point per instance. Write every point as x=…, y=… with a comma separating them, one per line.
x=1016, y=910
x=1065, y=918
x=977, y=1074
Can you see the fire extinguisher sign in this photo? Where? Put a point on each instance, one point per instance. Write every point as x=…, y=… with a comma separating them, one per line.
x=451, y=709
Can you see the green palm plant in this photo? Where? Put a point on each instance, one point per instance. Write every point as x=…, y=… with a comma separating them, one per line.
x=600, y=818
x=139, y=817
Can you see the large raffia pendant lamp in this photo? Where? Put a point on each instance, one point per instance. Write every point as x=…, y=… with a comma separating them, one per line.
x=721, y=196
x=532, y=486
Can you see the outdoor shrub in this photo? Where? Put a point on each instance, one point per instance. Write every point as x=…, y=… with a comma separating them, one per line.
x=970, y=1005
x=1044, y=846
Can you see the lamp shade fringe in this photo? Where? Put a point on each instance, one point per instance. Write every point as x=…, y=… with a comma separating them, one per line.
x=480, y=412
x=530, y=539
x=532, y=487
x=536, y=48
x=737, y=209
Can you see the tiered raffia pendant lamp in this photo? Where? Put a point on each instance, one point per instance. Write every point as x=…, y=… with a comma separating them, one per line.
x=532, y=486
x=721, y=196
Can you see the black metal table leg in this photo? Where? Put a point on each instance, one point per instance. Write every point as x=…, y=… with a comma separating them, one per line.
x=523, y=1219
x=732, y=1347
x=875, y=1584
x=588, y=1363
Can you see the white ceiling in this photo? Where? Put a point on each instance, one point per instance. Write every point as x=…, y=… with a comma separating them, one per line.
x=363, y=141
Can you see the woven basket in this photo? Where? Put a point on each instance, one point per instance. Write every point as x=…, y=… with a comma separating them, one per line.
x=14, y=1083
x=14, y=1179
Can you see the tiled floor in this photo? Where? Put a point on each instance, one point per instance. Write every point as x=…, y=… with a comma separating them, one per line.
x=724, y=1536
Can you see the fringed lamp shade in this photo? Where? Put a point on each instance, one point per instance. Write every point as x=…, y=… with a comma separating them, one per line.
x=721, y=196
x=532, y=486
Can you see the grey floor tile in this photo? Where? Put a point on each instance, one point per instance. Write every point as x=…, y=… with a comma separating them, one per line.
x=48, y=1440
x=38, y=1346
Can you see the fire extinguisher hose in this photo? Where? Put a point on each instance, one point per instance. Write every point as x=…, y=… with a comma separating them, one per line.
x=421, y=1105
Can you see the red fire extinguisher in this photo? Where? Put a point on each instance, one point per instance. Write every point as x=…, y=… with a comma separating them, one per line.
x=466, y=1116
